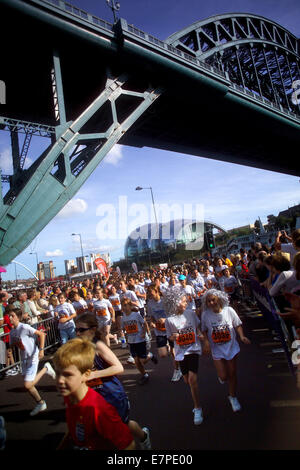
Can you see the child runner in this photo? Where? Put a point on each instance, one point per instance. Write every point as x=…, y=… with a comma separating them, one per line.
x=78, y=303
x=219, y=323
x=90, y=300
x=65, y=313
x=183, y=328
x=156, y=311
x=114, y=299
x=135, y=328
x=93, y=424
x=25, y=338
x=103, y=376
x=105, y=315
x=230, y=287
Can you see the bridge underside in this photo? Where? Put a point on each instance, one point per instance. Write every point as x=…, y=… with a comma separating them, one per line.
x=188, y=118
x=93, y=89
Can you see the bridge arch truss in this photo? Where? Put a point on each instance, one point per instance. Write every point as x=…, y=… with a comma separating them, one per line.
x=256, y=54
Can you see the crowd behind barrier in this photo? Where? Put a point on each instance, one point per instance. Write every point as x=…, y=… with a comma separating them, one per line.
x=259, y=296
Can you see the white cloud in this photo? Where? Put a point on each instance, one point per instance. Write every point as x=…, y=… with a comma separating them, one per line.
x=54, y=253
x=72, y=208
x=114, y=155
x=6, y=161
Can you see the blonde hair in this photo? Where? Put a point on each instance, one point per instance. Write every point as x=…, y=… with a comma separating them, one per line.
x=53, y=300
x=76, y=352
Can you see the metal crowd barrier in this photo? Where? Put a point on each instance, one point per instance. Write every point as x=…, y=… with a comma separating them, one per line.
x=255, y=294
x=48, y=325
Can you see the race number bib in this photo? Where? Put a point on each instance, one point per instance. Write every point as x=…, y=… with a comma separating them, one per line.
x=160, y=326
x=229, y=289
x=186, y=338
x=101, y=312
x=221, y=335
x=131, y=329
x=200, y=292
x=80, y=310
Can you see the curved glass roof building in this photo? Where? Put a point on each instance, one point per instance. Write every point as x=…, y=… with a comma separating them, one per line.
x=159, y=243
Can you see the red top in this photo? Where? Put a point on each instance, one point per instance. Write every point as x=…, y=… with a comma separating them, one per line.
x=7, y=328
x=94, y=424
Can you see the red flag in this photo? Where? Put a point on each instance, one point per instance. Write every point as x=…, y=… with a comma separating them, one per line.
x=101, y=265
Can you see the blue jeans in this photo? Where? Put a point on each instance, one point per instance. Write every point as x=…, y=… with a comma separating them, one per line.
x=66, y=334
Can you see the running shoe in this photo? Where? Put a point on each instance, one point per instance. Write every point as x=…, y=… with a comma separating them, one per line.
x=221, y=381
x=146, y=444
x=198, y=416
x=144, y=379
x=234, y=403
x=130, y=360
x=153, y=358
x=176, y=375
x=50, y=370
x=13, y=371
x=39, y=407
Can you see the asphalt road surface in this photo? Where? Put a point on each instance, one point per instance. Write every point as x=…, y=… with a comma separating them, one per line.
x=267, y=391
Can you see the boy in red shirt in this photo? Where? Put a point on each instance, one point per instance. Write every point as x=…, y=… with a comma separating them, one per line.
x=93, y=424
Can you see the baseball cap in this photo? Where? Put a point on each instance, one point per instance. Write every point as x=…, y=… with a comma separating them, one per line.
x=181, y=277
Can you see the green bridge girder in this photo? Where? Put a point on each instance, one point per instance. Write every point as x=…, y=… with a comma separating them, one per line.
x=97, y=85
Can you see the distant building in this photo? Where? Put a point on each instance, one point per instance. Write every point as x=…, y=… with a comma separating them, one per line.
x=290, y=212
x=45, y=270
x=70, y=266
x=81, y=263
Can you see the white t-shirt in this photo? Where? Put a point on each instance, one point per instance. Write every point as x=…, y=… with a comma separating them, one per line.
x=102, y=312
x=186, y=325
x=116, y=302
x=63, y=311
x=24, y=338
x=140, y=290
x=80, y=306
x=129, y=294
x=286, y=282
x=198, y=285
x=164, y=286
x=133, y=325
x=156, y=310
x=221, y=333
x=230, y=284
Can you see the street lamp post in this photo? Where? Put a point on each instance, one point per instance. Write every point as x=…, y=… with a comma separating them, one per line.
x=115, y=6
x=79, y=235
x=139, y=188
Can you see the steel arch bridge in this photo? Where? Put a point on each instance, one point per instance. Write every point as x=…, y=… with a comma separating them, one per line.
x=255, y=53
x=226, y=88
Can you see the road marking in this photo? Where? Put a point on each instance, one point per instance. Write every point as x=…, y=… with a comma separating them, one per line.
x=261, y=329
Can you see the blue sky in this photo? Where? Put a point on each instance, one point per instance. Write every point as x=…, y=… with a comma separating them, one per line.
x=231, y=195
